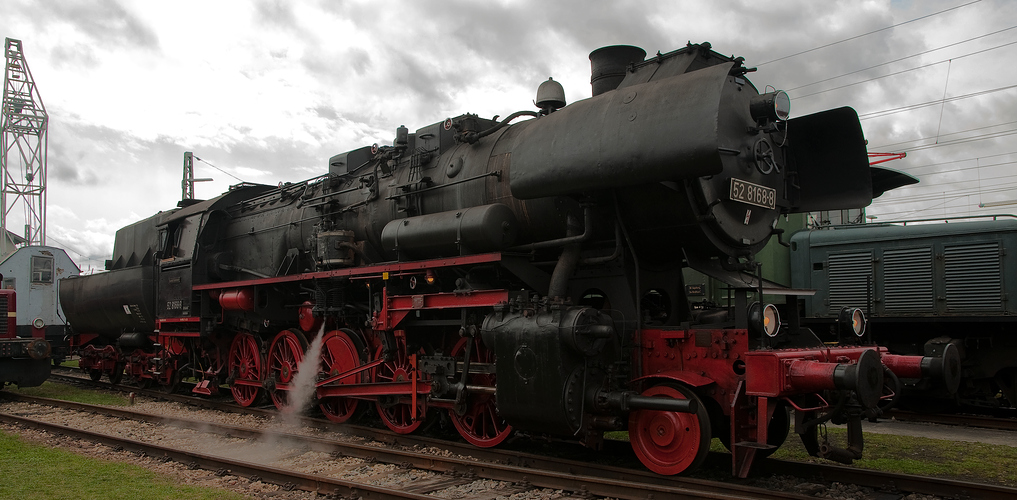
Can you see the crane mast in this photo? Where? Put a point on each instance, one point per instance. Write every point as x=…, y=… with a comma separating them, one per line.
x=25, y=141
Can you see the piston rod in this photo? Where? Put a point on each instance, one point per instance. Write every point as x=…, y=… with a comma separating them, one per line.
x=628, y=401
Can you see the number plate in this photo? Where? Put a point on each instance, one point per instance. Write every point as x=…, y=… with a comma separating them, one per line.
x=753, y=194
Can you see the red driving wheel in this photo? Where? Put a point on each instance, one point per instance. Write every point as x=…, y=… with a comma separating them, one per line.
x=398, y=416
x=246, y=365
x=284, y=357
x=480, y=424
x=339, y=355
x=669, y=442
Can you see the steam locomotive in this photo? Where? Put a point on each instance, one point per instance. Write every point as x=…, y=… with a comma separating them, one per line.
x=522, y=275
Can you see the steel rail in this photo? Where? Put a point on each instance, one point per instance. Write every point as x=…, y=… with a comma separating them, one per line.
x=284, y=478
x=980, y=421
x=827, y=472
x=587, y=479
x=887, y=481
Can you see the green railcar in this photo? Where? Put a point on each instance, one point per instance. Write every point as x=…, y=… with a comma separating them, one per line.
x=923, y=285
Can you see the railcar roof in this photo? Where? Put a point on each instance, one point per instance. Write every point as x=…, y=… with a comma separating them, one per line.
x=892, y=231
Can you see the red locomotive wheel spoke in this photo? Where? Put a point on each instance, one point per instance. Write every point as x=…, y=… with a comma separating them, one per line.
x=245, y=361
x=480, y=425
x=284, y=357
x=339, y=355
x=670, y=442
x=399, y=416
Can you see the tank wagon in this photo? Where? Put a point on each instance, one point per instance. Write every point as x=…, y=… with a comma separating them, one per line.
x=925, y=285
x=520, y=274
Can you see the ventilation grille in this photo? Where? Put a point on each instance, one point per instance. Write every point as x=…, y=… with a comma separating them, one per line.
x=973, y=277
x=849, y=279
x=907, y=280
x=3, y=315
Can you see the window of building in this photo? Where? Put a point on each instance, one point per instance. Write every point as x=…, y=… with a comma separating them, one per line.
x=42, y=269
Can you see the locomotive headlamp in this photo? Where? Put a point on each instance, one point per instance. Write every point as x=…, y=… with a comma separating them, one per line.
x=429, y=277
x=771, y=320
x=853, y=320
x=766, y=320
x=769, y=107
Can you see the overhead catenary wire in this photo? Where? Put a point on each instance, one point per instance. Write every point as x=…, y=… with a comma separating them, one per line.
x=905, y=71
x=979, y=178
x=866, y=34
x=942, y=107
x=979, y=158
x=910, y=107
x=956, y=195
x=942, y=102
x=66, y=246
x=900, y=144
x=1000, y=188
x=900, y=59
x=219, y=169
x=963, y=141
x=997, y=188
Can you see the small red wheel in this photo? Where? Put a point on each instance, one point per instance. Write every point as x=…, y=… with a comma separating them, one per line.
x=669, y=442
x=117, y=374
x=245, y=364
x=339, y=355
x=480, y=425
x=284, y=357
x=398, y=415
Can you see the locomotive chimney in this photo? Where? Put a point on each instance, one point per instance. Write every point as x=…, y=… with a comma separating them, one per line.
x=608, y=65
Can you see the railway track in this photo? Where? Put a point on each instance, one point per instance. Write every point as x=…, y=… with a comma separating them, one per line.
x=881, y=481
x=585, y=480
x=980, y=421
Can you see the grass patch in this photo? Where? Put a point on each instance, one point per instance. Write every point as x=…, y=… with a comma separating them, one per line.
x=66, y=392
x=980, y=462
x=52, y=473
x=70, y=363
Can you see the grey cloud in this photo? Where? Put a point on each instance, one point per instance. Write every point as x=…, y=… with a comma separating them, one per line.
x=106, y=21
x=74, y=55
x=276, y=13
x=288, y=160
x=430, y=83
x=359, y=60
x=335, y=67
x=88, y=155
x=326, y=112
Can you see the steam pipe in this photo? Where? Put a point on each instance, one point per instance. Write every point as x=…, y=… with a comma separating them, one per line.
x=614, y=255
x=587, y=234
x=638, y=334
x=471, y=138
x=567, y=262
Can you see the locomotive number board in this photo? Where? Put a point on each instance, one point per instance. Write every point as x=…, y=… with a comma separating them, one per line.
x=753, y=194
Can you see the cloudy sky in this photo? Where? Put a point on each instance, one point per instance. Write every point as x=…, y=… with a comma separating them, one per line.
x=265, y=91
